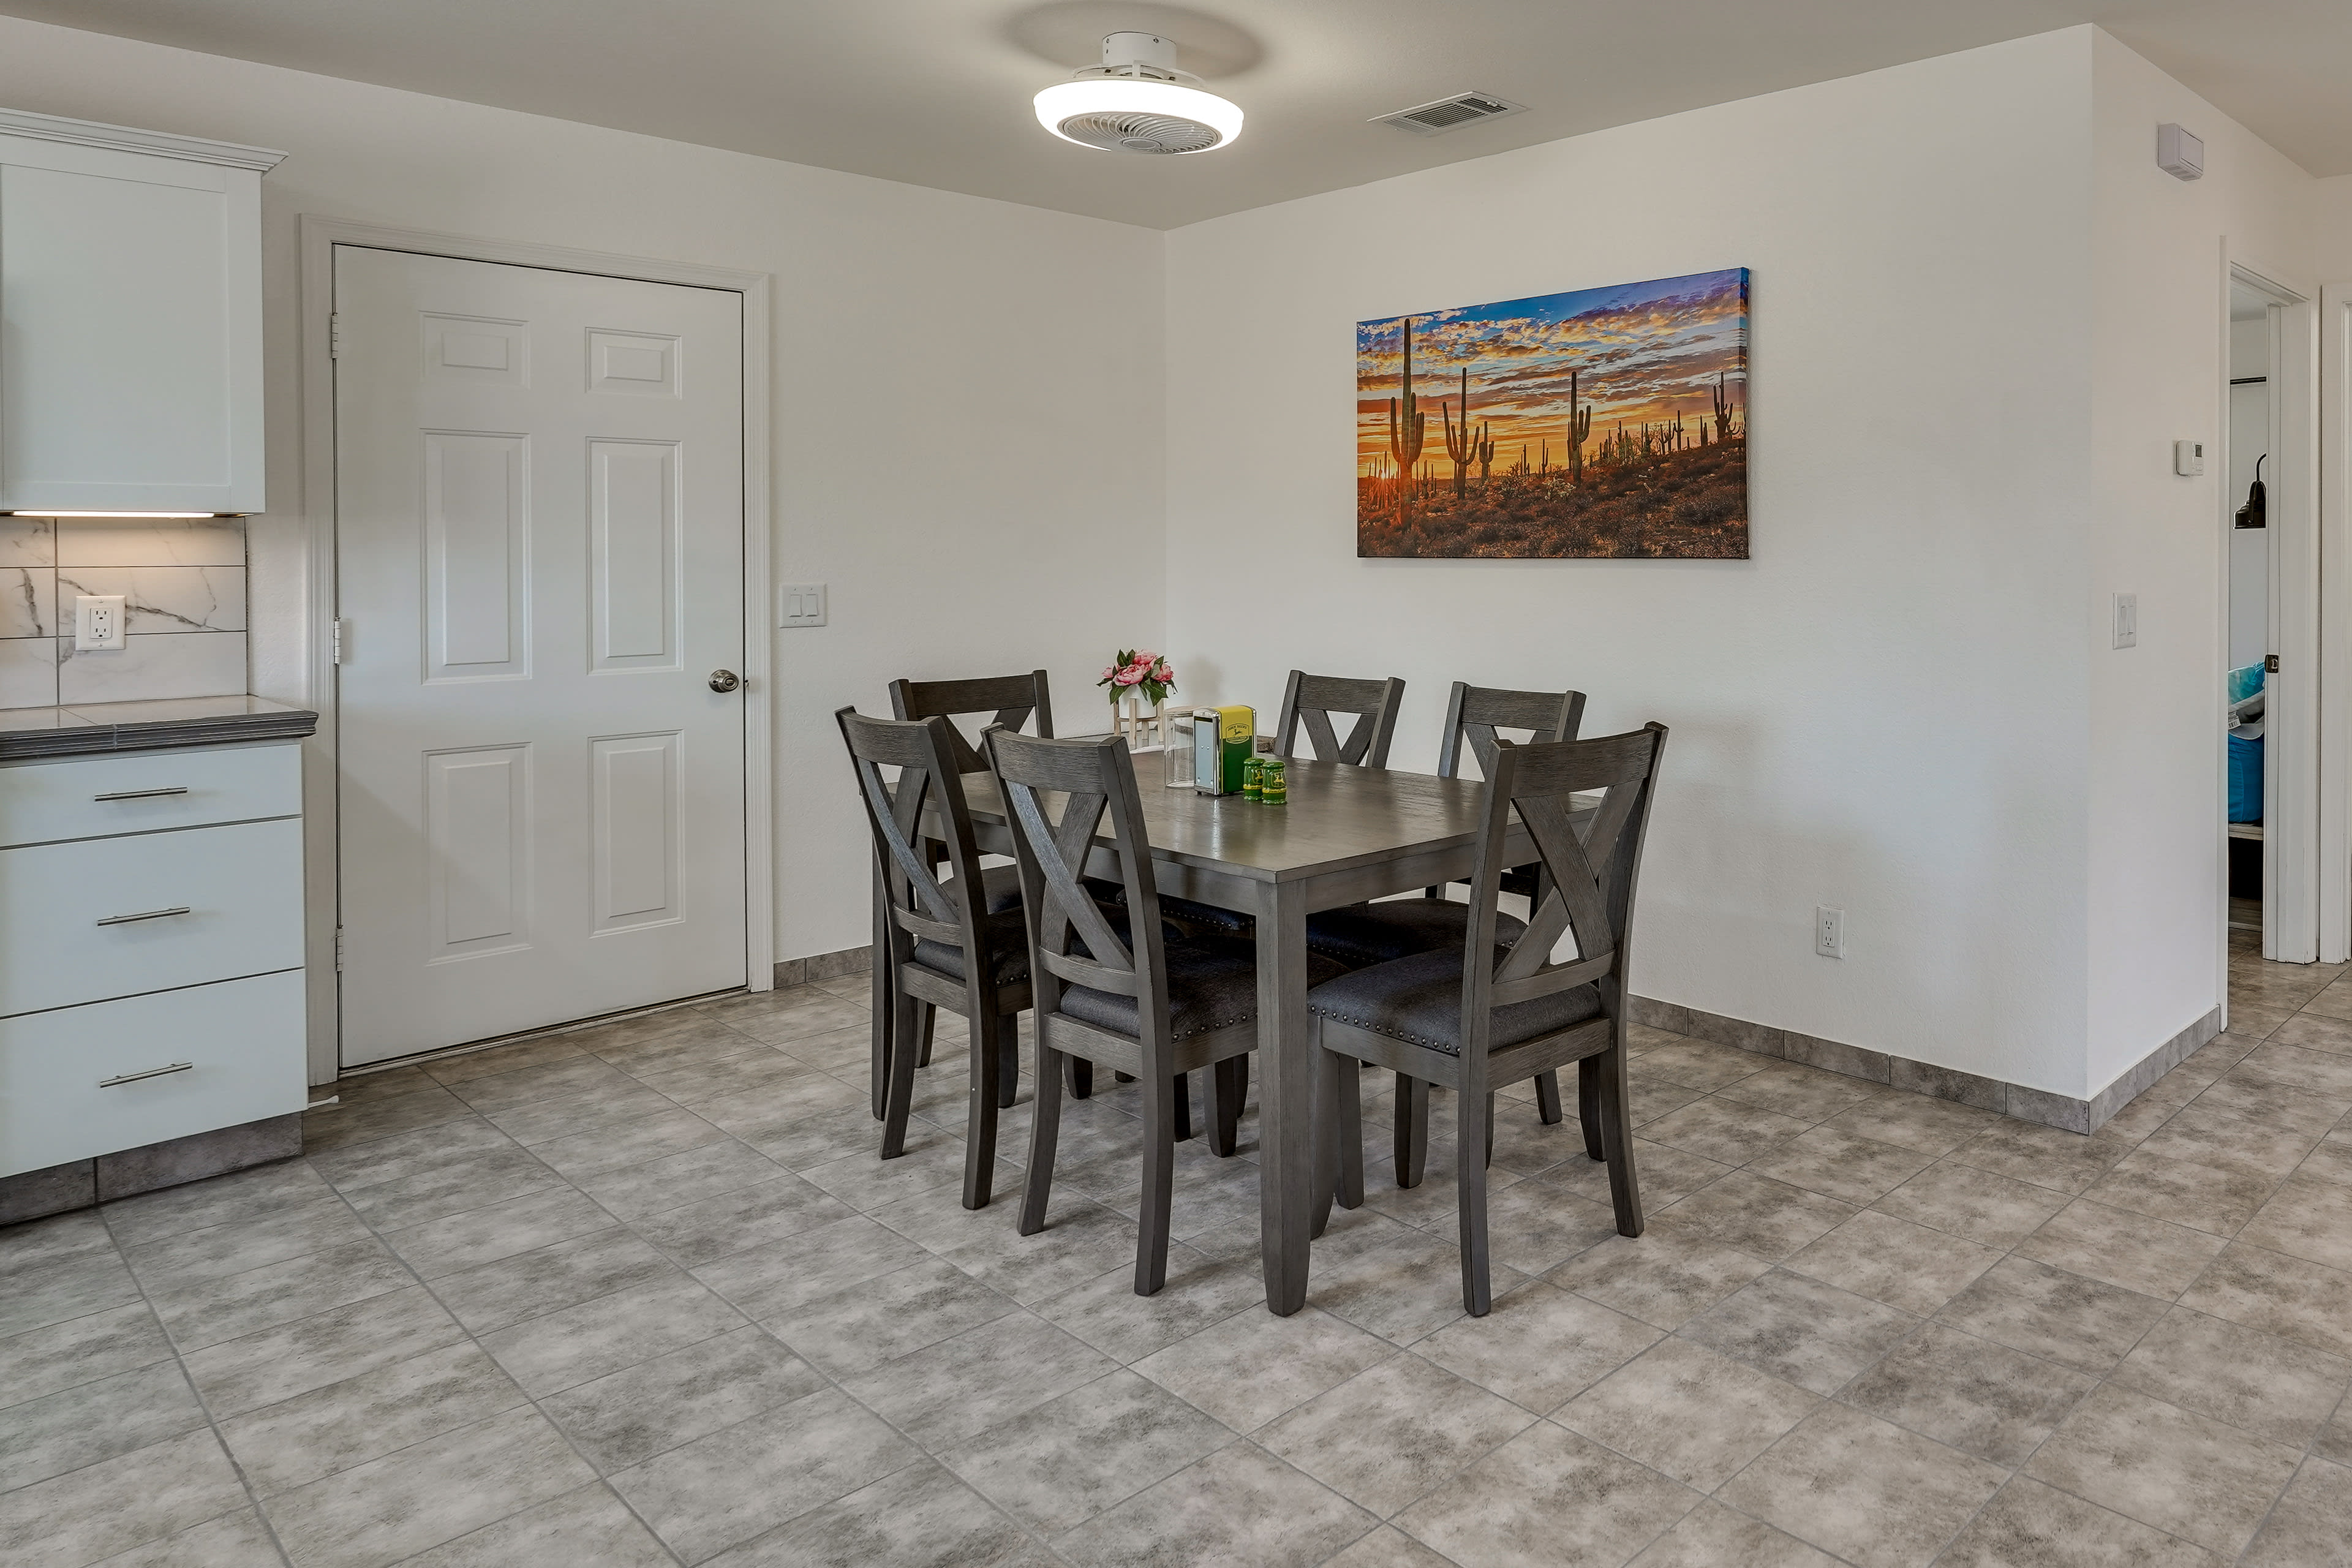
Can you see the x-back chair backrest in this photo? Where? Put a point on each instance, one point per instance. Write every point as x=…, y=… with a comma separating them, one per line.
x=921, y=905
x=1593, y=865
x=1473, y=714
x=1308, y=702
x=1011, y=698
x=1058, y=795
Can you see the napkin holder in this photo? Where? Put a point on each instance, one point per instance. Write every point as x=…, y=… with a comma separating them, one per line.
x=1223, y=738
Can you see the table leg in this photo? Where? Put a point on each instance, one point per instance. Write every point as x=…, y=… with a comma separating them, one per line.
x=1286, y=1096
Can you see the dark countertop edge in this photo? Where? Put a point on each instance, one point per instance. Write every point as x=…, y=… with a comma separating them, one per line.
x=90, y=740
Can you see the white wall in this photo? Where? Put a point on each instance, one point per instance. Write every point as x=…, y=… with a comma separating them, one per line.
x=1885, y=709
x=2154, y=789
x=967, y=392
x=2331, y=207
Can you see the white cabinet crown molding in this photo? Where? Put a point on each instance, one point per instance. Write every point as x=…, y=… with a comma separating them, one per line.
x=127, y=139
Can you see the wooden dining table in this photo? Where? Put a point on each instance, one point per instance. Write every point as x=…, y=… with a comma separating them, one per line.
x=1347, y=834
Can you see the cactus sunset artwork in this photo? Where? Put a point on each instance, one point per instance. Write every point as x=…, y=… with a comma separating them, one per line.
x=1605, y=422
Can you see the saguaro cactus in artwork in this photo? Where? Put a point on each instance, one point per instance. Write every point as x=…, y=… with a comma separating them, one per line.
x=1722, y=407
x=1580, y=426
x=1406, y=428
x=1462, y=443
x=1485, y=451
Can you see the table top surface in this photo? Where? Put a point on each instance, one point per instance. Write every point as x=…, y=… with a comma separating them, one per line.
x=1339, y=817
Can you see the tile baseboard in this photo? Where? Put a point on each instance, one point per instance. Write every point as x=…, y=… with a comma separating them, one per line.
x=2016, y=1100
x=79, y=1183
x=824, y=966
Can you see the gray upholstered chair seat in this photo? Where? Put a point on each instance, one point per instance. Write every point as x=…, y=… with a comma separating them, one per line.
x=1361, y=936
x=1204, y=921
x=1005, y=926
x=1211, y=985
x=1419, y=999
x=1002, y=884
x=1008, y=948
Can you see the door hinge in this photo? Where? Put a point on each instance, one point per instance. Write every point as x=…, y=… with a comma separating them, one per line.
x=339, y=950
x=340, y=631
x=335, y=335
x=2270, y=663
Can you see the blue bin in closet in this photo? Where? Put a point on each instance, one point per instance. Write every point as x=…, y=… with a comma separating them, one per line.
x=2245, y=778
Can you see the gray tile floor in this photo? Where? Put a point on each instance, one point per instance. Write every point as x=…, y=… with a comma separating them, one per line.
x=644, y=1295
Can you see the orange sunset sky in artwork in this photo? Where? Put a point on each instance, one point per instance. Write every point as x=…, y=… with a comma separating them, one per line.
x=1641, y=352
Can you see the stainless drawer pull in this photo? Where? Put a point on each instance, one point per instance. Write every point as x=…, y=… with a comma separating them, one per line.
x=141, y=793
x=151, y=1072
x=149, y=915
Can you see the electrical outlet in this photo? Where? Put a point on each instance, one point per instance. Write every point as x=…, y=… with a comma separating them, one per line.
x=800, y=604
x=2126, y=608
x=1829, y=931
x=97, y=621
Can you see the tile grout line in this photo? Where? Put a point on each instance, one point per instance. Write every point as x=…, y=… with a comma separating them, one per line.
x=204, y=1407
x=1395, y=1347
x=529, y=1399
x=926, y=1456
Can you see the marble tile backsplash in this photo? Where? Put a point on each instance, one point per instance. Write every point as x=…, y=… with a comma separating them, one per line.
x=182, y=584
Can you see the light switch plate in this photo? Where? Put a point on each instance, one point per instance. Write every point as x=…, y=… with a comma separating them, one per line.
x=800, y=604
x=2127, y=620
x=98, y=622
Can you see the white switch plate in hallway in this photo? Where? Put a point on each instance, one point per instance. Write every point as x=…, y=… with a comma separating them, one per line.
x=98, y=622
x=2127, y=620
x=800, y=604
x=1829, y=931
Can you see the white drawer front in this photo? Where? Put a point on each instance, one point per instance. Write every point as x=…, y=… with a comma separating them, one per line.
x=242, y=1044
x=137, y=792
x=64, y=939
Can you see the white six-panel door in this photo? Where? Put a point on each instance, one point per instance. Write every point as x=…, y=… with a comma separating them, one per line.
x=538, y=535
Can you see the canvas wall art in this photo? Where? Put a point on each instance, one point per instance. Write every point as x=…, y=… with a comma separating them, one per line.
x=1603, y=422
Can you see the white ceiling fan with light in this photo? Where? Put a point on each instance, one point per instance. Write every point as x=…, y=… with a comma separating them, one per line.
x=1138, y=101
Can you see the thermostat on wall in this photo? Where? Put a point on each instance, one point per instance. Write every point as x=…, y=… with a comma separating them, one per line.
x=2179, y=153
x=2188, y=458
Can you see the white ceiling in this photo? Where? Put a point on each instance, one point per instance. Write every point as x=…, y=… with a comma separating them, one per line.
x=936, y=92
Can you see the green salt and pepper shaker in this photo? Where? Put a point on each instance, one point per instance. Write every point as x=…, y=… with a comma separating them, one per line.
x=1274, y=782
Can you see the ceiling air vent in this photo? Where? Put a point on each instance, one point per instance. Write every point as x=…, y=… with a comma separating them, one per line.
x=1446, y=113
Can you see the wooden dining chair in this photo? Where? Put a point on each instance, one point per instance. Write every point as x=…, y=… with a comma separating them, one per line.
x=944, y=948
x=1498, y=1012
x=1365, y=934
x=1309, y=701
x=1127, y=997
x=1009, y=700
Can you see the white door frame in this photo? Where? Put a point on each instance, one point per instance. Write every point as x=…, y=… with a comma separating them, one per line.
x=2335, y=623
x=2293, y=734
x=322, y=856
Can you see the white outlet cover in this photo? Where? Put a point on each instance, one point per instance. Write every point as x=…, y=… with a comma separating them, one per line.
x=98, y=622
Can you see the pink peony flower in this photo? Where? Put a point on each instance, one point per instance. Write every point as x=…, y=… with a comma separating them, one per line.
x=1131, y=676
x=1163, y=671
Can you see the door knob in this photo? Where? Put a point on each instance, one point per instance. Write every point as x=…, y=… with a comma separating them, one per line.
x=725, y=680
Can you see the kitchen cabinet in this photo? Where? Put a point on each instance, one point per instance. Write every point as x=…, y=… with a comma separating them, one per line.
x=151, y=948
x=130, y=320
